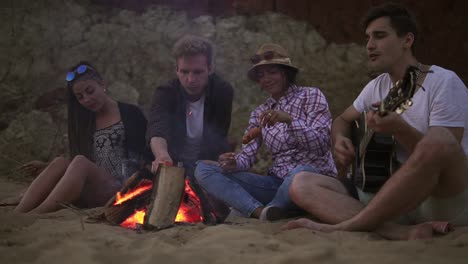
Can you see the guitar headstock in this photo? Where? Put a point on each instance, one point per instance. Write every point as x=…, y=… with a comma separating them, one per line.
x=399, y=97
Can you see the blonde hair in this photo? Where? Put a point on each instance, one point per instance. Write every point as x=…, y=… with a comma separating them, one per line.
x=191, y=45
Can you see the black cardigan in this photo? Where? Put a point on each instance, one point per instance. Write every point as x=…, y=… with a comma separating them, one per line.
x=168, y=113
x=135, y=128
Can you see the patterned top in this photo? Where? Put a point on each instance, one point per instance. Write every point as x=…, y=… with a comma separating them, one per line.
x=307, y=141
x=109, y=150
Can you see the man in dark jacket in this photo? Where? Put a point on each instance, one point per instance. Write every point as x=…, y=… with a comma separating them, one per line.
x=190, y=116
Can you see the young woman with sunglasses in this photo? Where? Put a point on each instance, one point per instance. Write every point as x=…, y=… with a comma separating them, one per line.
x=295, y=125
x=106, y=143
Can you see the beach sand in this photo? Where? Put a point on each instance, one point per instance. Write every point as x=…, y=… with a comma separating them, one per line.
x=64, y=237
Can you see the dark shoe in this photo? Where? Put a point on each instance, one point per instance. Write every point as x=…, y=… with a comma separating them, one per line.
x=272, y=213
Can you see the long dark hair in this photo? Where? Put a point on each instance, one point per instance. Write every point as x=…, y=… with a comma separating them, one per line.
x=81, y=121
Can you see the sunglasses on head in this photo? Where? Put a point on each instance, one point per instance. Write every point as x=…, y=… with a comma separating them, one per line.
x=78, y=71
x=267, y=55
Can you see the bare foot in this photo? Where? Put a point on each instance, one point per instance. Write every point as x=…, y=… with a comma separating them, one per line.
x=307, y=223
x=428, y=230
x=441, y=228
x=422, y=231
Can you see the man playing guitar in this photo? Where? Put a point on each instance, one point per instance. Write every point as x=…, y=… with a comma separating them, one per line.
x=431, y=143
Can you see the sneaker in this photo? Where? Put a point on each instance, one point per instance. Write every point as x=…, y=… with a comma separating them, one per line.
x=272, y=213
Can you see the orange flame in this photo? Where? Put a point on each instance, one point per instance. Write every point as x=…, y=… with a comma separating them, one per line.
x=189, y=210
x=145, y=186
x=136, y=218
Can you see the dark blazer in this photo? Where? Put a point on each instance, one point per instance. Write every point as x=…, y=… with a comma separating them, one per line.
x=168, y=113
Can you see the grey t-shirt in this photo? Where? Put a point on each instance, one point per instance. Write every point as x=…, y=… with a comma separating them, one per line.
x=442, y=102
x=194, y=126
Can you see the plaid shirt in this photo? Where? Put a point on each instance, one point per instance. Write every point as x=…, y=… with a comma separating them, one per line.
x=307, y=141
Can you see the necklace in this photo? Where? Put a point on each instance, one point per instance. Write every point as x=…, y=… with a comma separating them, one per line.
x=189, y=110
x=195, y=108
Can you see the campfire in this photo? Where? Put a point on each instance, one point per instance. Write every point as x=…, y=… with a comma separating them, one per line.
x=155, y=201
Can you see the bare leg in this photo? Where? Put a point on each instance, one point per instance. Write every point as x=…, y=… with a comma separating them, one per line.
x=437, y=167
x=70, y=186
x=324, y=198
x=40, y=188
x=388, y=230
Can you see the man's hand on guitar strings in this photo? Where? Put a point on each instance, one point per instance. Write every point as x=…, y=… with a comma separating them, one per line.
x=387, y=124
x=378, y=107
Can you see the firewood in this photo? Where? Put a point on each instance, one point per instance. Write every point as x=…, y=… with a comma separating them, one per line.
x=168, y=190
x=131, y=183
x=116, y=214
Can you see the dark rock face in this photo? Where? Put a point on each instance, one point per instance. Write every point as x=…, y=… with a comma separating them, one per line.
x=443, y=39
x=132, y=50
x=50, y=99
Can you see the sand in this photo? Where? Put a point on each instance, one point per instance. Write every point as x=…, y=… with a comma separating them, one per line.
x=63, y=237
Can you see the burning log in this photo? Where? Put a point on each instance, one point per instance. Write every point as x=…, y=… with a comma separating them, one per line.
x=168, y=190
x=155, y=201
x=123, y=204
x=118, y=213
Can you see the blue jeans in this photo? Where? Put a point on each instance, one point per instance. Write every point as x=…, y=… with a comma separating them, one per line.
x=246, y=191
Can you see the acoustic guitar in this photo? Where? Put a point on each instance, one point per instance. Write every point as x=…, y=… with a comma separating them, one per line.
x=375, y=154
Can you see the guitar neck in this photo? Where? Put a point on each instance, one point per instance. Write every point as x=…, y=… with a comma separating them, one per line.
x=368, y=134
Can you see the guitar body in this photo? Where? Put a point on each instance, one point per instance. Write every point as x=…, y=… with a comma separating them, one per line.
x=375, y=158
x=375, y=162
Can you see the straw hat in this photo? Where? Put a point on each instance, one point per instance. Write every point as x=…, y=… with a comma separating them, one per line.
x=269, y=53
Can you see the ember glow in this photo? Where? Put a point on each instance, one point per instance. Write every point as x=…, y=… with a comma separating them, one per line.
x=189, y=210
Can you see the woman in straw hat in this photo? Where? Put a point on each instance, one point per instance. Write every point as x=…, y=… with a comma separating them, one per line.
x=295, y=126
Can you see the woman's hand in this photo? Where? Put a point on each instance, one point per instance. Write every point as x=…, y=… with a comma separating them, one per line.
x=227, y=161
x=33, y=168
x=271, y=117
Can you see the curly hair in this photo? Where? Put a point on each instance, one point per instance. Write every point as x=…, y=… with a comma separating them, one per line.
x=191, y=45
